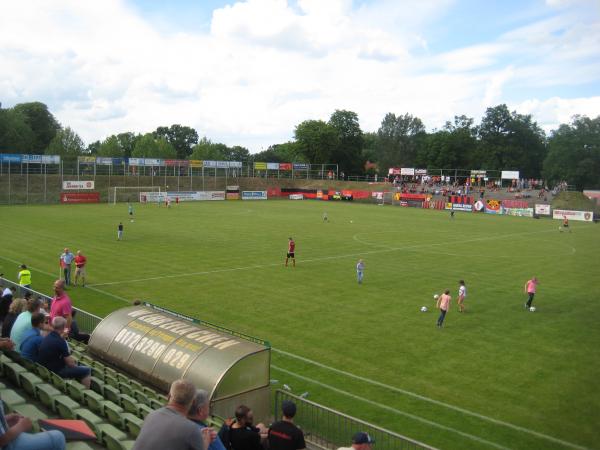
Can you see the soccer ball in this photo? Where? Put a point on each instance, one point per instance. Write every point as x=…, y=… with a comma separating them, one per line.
x=423, y=308
x=435, y=297
x=559, y=228
x=532, y=309
x=352, y=221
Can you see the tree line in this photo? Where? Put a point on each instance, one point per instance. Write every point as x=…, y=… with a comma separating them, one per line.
x=503, y=140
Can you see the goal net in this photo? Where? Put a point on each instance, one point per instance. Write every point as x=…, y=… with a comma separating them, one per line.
x=130, y=193
x=386, y=199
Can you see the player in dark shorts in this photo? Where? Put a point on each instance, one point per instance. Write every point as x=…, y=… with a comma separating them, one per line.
x=290, y=253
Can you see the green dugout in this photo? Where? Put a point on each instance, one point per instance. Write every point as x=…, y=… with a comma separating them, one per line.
x=158, y=347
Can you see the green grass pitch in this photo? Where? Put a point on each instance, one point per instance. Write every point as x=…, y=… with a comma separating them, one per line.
x=494, y=377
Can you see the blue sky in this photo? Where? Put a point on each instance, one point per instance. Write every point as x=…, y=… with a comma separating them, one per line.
x=246, y=73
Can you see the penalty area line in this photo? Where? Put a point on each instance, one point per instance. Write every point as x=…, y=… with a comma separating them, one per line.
x=390, y=409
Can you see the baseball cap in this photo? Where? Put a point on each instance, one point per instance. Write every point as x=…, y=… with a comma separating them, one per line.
x=288, y=408
x=362, y=438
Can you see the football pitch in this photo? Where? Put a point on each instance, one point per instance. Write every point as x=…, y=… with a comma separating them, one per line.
x=497, y=376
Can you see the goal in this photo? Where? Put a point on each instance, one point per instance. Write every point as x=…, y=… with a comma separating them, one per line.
x=386, y=199
x=129, y=193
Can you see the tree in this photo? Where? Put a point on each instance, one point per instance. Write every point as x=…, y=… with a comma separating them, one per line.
x=182, y=138
x=574, y=154
x=16, y=135
x=66, y=143
x=127, y=142
x=450, y=148
x=149, y=146
x=110, y=147
x=510, y=141
x=398, y=140
x=316, y=141
x=280, y=153
x=210, y=151
x=347, y=152
x=42, y=123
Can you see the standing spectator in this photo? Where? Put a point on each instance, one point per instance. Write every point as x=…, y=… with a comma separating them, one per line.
x=291, y=252
x=80, y=262
x=242, y=434
x=74, y=332
x=360, y=441
x=120, y=231
x=443, y=304
x=530, y=290
x=16, y=307
x=54, y=355
x=66, y=259
x=462, y=294
x=169, y=428
x=14, y=434
x=6, y=300
x=198, y=414
x=24, y=277
x=32, y=339
x=360, y=271
x=23, y=322
x=61, y=304
x=284, y=435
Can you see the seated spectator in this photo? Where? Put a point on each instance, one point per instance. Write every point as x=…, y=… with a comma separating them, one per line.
x=284, y=435
x=55, y=356
x=23, y=322
x=5, y=301
x=16, y=307
x=32, y=338
x=14, y=434
x=169, y=428
x=45, y=308
x=74, y=332
x=198, y=414
x=360, y=441
x=242, y=434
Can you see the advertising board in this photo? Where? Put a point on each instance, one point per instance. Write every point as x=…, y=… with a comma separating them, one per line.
x=296, y=197
x=407, y=171
x=273, y=166
x=459, y=207
x=584, y=216
x=519, y=212
x=510, y=174
x=76, y=185
x=80, y=197
x=542, y=210
x=183, y=196
x=493, y=206
x=254, y=195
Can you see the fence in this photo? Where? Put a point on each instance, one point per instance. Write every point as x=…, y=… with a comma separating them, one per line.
x=329, y=429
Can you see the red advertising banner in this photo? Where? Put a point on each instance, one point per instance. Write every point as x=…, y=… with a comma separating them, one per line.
x=285, y=166
x=80, y=197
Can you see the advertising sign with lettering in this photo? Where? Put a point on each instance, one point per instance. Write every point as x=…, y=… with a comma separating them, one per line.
x=407, y=171
x=75, y=185
x=543, y=210
x=584, y=216
x=254, y=195
x=510, y=174
x=285, y=166
x=273, y=166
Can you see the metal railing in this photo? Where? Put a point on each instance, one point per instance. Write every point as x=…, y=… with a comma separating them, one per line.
x=327, y=428
x=86, y=321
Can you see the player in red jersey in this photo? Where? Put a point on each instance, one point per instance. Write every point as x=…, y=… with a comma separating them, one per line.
x=290, y=253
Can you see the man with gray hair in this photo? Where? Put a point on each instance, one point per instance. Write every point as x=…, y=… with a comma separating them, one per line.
x=169, y=428
x=54, y=354
x=199, y=412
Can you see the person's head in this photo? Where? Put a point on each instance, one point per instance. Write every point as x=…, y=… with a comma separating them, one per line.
x=37, y=320
x=33, y=305
x=461, y=282
x=66, y=250
x=288, y=408
x=243, y=415
x=200, y=406
x=27, y=295
x=17, y=306
x=23, y=266
x=59, y=287
x=362, y=441
x=290, y=239
x=182, y=394
x=78, y=252
x=59, y=323
x=447, y=291
x=137, y=302
x=534, y=279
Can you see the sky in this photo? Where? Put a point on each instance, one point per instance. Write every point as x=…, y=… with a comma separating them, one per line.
x=247, y=72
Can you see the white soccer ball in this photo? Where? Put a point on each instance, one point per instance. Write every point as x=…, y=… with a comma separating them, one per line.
x=352, y=221
x=423, y=308
x=532, y=309
x=435, y=297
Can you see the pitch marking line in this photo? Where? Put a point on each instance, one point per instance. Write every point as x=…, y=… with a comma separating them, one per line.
x=393, y=410
x=427, y=399
x=324, y=258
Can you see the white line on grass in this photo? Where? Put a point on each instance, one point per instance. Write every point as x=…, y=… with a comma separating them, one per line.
x=393, y=410
x=429, y=400
x=319, y=259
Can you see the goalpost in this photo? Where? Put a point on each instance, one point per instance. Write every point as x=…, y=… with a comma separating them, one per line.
x=386, y=199
x=129, y=193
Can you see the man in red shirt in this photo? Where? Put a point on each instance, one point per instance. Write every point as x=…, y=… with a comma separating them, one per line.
x=80, y=262
x=61, y=304
x=290, y=253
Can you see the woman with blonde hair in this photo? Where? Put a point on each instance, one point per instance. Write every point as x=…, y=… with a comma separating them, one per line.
x=17, y=306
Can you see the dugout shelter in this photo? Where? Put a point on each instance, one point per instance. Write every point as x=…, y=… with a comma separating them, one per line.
x=157, y=347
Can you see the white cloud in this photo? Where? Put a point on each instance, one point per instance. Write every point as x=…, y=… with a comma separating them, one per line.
x=552, y=112
x=266, y=65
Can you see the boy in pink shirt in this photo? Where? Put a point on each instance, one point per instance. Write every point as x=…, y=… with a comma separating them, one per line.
x=443, y=303
x=530, y=288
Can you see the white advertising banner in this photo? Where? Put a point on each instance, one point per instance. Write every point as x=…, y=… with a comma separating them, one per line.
x=510, y=174
x=519, y=212
x=254, y=195
x=584, y=216
x=76, y=185
x=296, y=197
x=407, y=171
x=183, y=196
x=273, y=166
x=542, y=210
